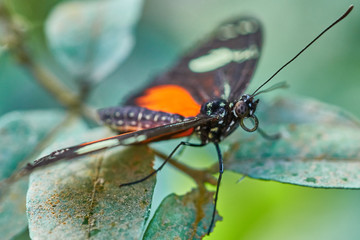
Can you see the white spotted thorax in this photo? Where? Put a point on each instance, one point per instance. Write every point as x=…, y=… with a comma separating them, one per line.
x=228, y=114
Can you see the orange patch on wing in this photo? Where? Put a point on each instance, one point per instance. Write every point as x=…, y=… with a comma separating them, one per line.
x=184, y=134
x=126, y=129
x=99, y=140
x=171, y=136
x=169, y=98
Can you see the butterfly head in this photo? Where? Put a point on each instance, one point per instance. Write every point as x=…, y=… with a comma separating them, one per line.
x=245, y=108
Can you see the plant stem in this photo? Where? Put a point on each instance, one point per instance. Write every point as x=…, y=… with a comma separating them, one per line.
x=200, y=176
x=13, y=40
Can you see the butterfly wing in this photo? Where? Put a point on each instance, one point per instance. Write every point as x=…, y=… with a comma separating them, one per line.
x=164, y=132
x=220, y=68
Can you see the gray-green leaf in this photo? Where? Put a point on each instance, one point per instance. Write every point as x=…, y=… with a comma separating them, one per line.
x=91, y=38
x=20, y=132
x=319, y=146
x=82, y=198
x=182, y=217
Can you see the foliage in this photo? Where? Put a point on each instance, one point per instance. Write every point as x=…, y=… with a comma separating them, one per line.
x=81, y=199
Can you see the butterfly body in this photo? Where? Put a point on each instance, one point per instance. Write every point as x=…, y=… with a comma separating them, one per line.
x=133, y=118
x=226, y=115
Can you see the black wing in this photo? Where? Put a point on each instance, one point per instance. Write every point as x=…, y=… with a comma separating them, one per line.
x=221, y=67
x=139, y=137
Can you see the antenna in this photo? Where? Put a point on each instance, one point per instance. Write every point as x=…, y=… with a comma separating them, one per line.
x=314, y=40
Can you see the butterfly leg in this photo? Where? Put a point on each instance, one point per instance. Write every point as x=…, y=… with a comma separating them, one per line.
x=163, y=164
x=183, y=148
x=221, y=171
x=268, y=136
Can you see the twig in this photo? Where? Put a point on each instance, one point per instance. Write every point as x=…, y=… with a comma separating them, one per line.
x=21, y=171
x=13, y=40
x=200, y=176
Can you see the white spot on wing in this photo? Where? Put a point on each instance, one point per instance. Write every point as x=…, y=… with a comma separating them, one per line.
x=227, y=32
x=97, y=146
x=129, y=140
x=226, y=90
x=217, y=58
x=245, y=27
x=141, y=138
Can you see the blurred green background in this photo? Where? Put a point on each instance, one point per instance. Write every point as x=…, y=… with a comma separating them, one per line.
x=328, y=71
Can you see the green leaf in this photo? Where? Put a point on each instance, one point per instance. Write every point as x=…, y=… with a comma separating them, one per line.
x=13, y=219
x=20, y=132
x=319, y=146
x=91, y=38
x=81, y=199
x=302, y=110
x=31, y=11
x=177, y=217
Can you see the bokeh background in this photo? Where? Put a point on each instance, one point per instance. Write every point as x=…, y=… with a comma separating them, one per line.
x=329, y=71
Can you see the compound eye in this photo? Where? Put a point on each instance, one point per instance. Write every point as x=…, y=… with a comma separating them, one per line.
x=241, y=109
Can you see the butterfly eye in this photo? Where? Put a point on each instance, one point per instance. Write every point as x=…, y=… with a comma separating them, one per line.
x=245, y=110
x=241, y=109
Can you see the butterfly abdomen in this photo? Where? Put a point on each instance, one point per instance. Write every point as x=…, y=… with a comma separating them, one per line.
x=131, y=118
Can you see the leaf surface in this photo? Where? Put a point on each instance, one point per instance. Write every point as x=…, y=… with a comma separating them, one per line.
x=91, y=38
x=319, y=146
x=20, y=132
x=182, y=217
x=82, y=198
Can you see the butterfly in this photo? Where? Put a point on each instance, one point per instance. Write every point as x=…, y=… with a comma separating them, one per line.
x=202, y=95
